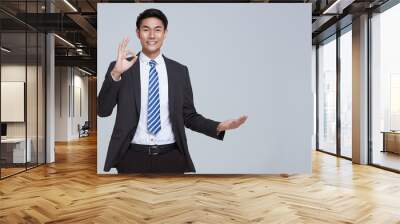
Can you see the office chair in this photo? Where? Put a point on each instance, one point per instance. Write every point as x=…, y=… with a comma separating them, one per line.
x=84, y=130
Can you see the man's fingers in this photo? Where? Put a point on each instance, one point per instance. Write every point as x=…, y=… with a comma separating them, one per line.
x=126, y=40
x=239, y=122
x=236, y=123
x=123, y=43
x=130, y=52
x=131, y=62
x=242, y=119
x=233, y=124
x=119, y=50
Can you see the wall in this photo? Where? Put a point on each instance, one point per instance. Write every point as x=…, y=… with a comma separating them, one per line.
x=33, y=127
x=92, y=89
x=14, y=73
x=17, y=73
x=71, y=102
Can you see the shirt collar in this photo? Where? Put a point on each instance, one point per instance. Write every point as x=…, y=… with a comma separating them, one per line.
x=144, y=59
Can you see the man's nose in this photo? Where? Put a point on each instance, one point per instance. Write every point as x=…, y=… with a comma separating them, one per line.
x=151, y=33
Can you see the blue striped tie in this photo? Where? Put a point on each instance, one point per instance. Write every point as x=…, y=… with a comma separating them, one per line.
x=153, y=107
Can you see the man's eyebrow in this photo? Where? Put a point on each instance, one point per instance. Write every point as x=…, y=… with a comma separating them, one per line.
x=145, y=26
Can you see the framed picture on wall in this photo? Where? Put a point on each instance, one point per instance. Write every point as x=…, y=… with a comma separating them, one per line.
x=12, y=101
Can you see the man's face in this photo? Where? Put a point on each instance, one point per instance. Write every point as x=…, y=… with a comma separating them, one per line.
x=151, y=34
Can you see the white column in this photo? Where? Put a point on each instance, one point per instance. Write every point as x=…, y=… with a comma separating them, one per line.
x=50, y=92
x=50, y=110
x=360, y=90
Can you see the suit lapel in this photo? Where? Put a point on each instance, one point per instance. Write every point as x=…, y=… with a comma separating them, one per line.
x=171, y=85
x=135, y=83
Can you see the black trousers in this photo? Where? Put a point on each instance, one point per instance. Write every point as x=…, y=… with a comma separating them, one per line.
x=137, y=161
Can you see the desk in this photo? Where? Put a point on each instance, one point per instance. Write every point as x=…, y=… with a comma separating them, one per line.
x=15, y=148
x=391, y=141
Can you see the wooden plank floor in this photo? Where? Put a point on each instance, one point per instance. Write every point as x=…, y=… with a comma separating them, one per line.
x=70, y=191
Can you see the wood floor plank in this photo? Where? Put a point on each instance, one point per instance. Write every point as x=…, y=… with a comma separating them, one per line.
x=70, y=191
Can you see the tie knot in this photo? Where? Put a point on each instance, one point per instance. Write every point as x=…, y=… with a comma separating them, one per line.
x=152, y=63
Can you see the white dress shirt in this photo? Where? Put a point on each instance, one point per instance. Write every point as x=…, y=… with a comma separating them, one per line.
x=165, y=135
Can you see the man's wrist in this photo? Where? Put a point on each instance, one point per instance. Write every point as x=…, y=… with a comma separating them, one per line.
x=219, y=128
x=116, y=76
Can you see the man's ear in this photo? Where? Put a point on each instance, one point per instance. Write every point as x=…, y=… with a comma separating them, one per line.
x=165, y=33
x=138, y=33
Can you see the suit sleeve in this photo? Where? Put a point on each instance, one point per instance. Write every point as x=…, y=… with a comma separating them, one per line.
x=108, y=96
x=192, y=119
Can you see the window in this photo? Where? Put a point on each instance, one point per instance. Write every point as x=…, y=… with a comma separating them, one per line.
x=327, y=96
x=385, y=89
x=346, y=75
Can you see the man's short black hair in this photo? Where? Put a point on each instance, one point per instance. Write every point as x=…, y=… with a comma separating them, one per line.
x=152, y=13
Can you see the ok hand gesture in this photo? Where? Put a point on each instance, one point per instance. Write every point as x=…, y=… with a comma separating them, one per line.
x=122, y=63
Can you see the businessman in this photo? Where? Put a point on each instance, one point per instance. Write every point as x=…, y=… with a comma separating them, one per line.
x=154, y=102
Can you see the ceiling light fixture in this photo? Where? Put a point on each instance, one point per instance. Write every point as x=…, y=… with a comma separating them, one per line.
x=65, y=41
x=5, y=50
x=331, y=7
x=84, y=71
x=70, y=5
x=337, y=7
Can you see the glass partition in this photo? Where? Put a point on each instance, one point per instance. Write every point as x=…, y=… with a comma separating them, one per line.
x=327, y=95
x=22, y=88
x=13, y=95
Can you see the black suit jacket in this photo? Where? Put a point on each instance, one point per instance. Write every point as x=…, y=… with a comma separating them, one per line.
x=126, y=94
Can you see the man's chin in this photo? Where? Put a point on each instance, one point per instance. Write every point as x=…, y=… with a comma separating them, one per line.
x=152, y=51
